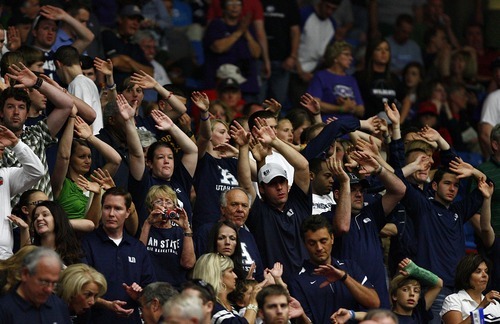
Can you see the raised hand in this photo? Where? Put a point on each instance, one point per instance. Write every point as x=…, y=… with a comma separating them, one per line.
x=369, y=148
x=367, y=163
x=18, y=221
x=307, y=101
x=82, y=129
x=393, y=113
x=103, y=178
x=272, y=105
x=463, y=169
x=263, y=132
x=335, y=167
x=53, y=13
x=277, y=270
x=200, y=99
x=486, y=188
x=22, y=74
x=143, y=80
x=13, y=39
x=239, y=135
x=84, y=183
x=105, y=67
x=126, y=110
x=403, y=265
x=163, y=122
x=7, y=137
x=295, y=309
x=259, y=152
x=52, y=82
x=429, y=134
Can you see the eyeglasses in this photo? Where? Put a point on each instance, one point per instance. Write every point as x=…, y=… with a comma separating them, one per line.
x=46, y=283
x=163, y=202
x=36, y=202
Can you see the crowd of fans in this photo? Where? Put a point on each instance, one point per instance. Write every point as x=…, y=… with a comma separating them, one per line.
x=246, y=161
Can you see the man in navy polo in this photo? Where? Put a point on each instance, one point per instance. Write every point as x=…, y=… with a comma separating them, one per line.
x=357, y=226
x=325, y=284
x=34, y=301
x=122, y=259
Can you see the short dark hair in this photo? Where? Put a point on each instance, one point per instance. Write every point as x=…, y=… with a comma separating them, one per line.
x=315, y=165
x=87, y=62
x=67, y=55
x=404, y=18
x=271, y=290
x=152, y=149
x=466, y=267
x=440, y=172
x=118, y=191
x=16, y=93
x=264, y=114
x=314, y=223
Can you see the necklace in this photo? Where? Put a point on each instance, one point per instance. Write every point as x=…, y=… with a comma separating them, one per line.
x=224, y=304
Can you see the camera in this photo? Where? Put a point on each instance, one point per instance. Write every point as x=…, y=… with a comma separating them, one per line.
x=169, y=214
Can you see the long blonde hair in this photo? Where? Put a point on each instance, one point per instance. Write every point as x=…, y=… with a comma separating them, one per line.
x=210, y=267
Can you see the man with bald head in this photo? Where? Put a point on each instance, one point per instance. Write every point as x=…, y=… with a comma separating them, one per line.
x=34, y=301
x=234, y=207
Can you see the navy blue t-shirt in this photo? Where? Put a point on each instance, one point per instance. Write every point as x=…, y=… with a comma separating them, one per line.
x=419, y=316
x=212, y=177
x=165, y=249
x=181, y=182
x=320, y=303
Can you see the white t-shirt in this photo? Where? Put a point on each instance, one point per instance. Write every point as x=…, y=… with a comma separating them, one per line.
x=462, y=302
x=491, y=109
x=85, y=89
x=322, y=204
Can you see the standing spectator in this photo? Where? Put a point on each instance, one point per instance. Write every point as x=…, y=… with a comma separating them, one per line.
x=77, y=35
x=126, y=56
x=337, y=92
x=317, y=31
x=230, y=39
x=122, y=259
x=282, y=22
x=490, y=114
x=33, y=300
x=325, y=284
x=14, y=180
x=376, y=82
x=403, y=49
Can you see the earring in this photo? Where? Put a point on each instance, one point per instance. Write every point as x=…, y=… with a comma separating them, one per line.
x=223, y=285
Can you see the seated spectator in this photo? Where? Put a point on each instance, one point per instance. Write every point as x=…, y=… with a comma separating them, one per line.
x=410, y=95
x=33, y=300
x=224, y=239
x=217, y=270
x=154, y=296
x=80, y=286
x=203, y=290
x=167, y=236
x=9, y=269
x=471, y=279
x=52, y=230
x=182, y=308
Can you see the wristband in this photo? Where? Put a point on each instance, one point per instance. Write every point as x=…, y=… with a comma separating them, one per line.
x=38, y=83
x=316, y=114
x=352, y=314
x=379, y=170
x=253, y=307
x=111, y=87
x=344, y=277
x=188, y=234
x=205, y=119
